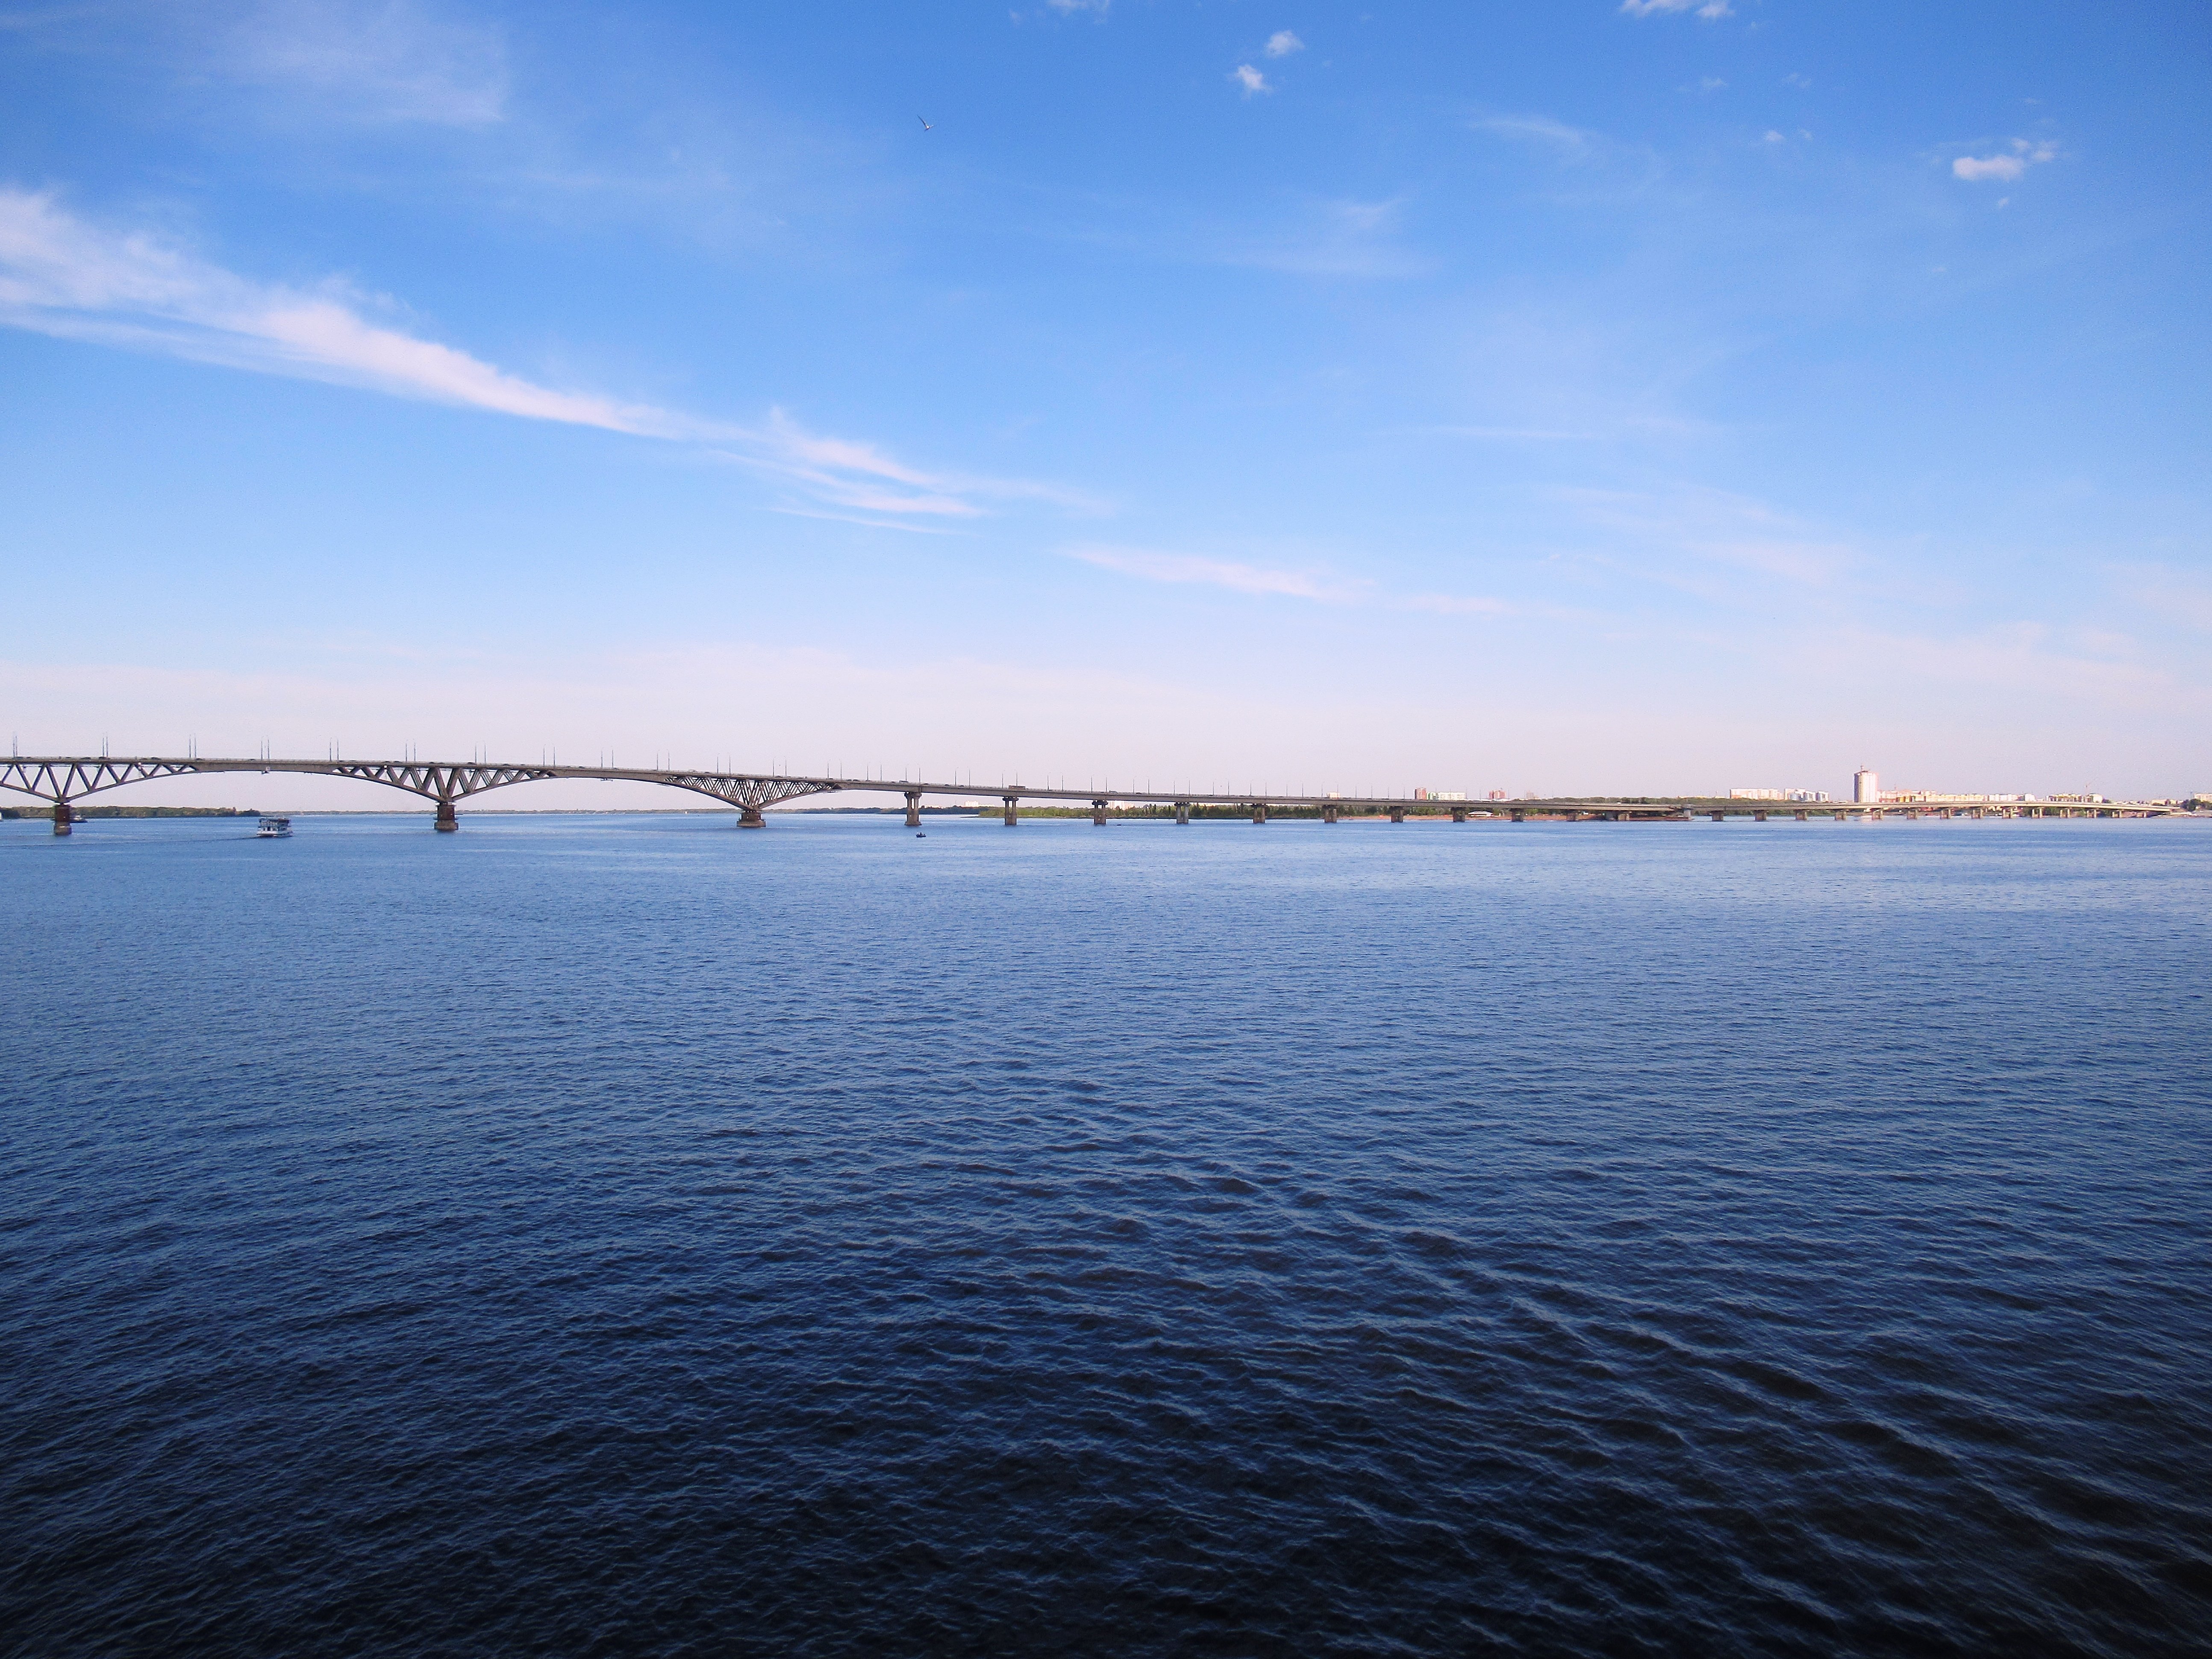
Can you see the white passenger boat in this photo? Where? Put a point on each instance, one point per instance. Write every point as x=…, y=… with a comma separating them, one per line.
x=273, y=827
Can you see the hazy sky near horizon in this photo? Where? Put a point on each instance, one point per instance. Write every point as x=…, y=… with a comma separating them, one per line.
x=1648, y=397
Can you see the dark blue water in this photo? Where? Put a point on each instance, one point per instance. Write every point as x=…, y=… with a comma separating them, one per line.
x=627, y=1235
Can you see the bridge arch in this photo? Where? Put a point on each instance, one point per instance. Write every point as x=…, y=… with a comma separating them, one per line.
x=65, y=780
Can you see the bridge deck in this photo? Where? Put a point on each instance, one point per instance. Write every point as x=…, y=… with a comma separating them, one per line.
x=65, y=779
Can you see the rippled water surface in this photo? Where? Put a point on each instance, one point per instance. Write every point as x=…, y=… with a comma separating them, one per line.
x=613, y=1235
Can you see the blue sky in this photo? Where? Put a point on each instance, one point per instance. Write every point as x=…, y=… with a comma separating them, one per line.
x=1645, y=398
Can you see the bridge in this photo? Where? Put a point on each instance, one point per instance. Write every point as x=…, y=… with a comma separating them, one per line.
x=64, y=779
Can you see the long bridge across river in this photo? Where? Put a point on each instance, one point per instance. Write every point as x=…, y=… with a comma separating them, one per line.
x=65, y=779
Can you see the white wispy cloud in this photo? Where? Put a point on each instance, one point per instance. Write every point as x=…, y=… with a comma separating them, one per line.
x=1570, y=141
x=2055, y=665
x=1510, y=433
x=1304, y=237
x=63, y=276
x=1461, y=604
x=387, y=60
x=1717, y=527
x=849, y=473
x=1337, y=238
x=1066, y=8
x=1250, y=79
x=1151, y=565
x=2172, y=596
x=1282, y=43
x=1711, y=10
x=2006, y=165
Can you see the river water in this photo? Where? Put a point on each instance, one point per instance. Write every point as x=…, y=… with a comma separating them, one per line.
x=608, y=1235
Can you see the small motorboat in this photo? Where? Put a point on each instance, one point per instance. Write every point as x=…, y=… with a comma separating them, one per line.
x=271, y=828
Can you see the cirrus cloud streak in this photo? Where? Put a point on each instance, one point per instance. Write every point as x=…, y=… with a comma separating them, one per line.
x=1153, y=565
x=64, y=276
x=1158, y=567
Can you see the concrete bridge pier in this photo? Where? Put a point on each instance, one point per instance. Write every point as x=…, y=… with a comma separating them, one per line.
x=1259, y=811
x=1459, y=815
x=63, y=818
x=1098, y=813
x=1397, y=815
x=1800, y=816
x=1328, y=814
x=914, y=808
x=1012, y=818
x=1758, y=818
x=1717, y=816
x=1520, y=817
x=1183, y=812
x=445, y=821
x=749, y=817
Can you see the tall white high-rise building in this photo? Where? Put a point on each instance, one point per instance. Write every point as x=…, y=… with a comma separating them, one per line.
x=1866, y=788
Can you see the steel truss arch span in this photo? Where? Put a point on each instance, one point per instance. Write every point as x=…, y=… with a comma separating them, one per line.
x=64, y=779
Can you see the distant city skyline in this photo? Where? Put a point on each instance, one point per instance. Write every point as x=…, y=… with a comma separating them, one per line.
x=1589, y=398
